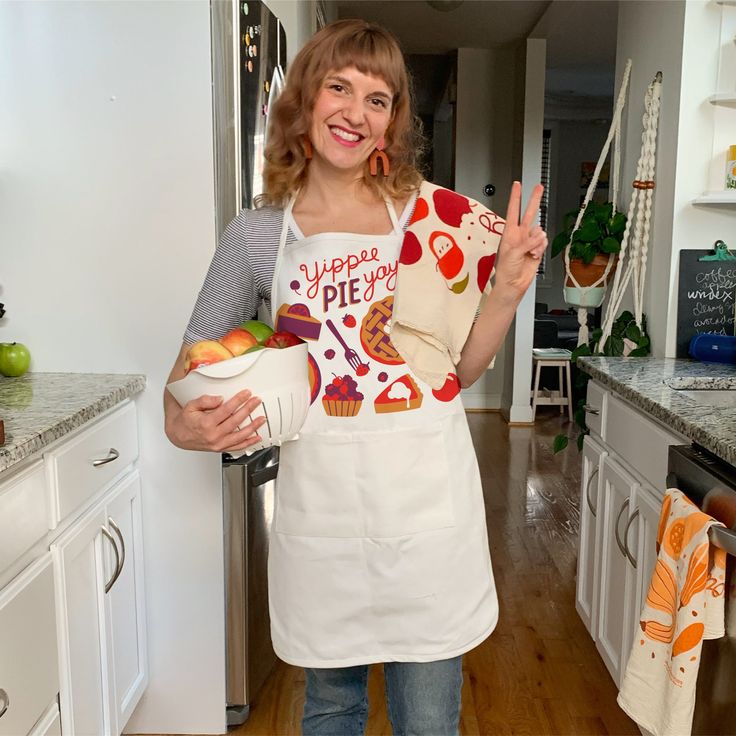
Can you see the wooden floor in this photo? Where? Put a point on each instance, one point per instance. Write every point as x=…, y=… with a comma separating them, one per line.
x=539, y=672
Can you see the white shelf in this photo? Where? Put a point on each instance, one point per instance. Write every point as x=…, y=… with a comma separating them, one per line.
x=723, y=98
x=725, y=196
x=726, y=2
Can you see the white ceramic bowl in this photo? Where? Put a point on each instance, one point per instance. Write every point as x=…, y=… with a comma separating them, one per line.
x=279, y=377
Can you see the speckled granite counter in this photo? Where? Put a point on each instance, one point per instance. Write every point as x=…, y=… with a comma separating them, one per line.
x=39, y=408
x=647, y=383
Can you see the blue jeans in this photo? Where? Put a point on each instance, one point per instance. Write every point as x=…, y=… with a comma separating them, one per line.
x=422, y=698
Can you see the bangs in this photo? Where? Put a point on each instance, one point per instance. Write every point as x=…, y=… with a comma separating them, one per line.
x=371, y=52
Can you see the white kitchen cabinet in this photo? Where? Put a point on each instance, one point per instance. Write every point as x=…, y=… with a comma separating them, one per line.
x=586, y=592
x=101, y=613
x=640, y=543
x=617, y=491
x=129, y=673
x=29, y=676
x=618, y=521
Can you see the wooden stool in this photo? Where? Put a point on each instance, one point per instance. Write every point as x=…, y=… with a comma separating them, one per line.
x=552, y=359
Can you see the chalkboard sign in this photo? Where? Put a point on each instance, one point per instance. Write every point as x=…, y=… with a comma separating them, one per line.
x=707, y=290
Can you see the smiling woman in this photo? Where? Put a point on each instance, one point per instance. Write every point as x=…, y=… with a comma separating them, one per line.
x=350, y=53
x=378, y=550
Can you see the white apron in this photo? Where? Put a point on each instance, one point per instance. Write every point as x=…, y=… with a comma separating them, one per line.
x=379, y=549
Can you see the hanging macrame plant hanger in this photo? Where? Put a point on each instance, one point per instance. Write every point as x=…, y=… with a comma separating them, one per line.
x=592, y=294
x=630, y=264
x=634, y=253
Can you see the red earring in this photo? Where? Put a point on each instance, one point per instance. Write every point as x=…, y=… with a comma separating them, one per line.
x=377, y=155
x=307, y=148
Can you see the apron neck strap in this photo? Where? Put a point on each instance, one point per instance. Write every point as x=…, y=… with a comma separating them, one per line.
x=392, y=215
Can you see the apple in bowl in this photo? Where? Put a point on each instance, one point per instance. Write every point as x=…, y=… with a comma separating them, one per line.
x=205, y=352
x=238, y=341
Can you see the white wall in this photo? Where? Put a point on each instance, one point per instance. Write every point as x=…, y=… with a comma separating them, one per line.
x=480, y=113
x=299, y=21
x=107, y=221
x=705, y=132
x=651, y=35
x=684, y=41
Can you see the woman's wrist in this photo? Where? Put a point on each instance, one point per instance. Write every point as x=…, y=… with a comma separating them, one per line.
x=505, y=296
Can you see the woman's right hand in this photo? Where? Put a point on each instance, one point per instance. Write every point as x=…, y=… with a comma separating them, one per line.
x=211, y=424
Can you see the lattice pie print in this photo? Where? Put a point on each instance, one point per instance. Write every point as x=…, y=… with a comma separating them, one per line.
x=373, y=335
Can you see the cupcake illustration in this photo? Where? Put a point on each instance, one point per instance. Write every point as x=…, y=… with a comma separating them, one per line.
x=342, y=398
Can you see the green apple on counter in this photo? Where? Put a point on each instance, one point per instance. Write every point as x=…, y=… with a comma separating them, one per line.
x=15, y=359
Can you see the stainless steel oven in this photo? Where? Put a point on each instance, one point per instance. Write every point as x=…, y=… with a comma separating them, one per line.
x=711, y=484
x=248, y=489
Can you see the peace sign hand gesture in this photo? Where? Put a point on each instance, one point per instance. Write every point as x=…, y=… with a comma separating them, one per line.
x=522, y=244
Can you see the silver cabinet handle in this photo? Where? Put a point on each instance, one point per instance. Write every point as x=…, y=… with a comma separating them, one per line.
x=117, y=531
x=615, y=528
x=114, y=577
x=631, y=557
x=112, y=455
x=591, y=409
x=587, y=492
x=4, y=702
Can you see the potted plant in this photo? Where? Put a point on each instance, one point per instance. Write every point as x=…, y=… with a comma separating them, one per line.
x=595, y=242
x=626, y=340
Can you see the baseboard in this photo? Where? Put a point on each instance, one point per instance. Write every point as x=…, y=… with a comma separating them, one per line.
x=481, y=402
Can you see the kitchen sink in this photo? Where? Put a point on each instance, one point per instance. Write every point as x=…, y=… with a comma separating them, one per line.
x=722, y=398
x=717, y=391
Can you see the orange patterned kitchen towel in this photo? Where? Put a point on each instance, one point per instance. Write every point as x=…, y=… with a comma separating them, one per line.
x=444, y=274
x=684, y=605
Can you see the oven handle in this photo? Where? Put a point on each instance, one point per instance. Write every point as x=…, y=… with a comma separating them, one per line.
x=720, y=536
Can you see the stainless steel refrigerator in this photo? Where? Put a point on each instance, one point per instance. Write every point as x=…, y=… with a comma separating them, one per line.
x=261, y=69
x=248, y=62
x=248, y=488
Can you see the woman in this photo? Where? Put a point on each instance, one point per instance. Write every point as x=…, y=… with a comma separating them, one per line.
x=379, y=550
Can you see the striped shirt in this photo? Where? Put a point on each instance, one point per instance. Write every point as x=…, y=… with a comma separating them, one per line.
x=240, y=275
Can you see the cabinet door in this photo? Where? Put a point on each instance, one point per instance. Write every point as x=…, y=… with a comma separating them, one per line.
x=126, y=613
x=640, y=539
x=81, y=575
x=586, y=593
x=29, y=671
x=617, y=491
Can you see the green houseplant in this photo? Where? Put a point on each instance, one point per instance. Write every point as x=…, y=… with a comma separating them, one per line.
x=600, y=233
x=626, y=340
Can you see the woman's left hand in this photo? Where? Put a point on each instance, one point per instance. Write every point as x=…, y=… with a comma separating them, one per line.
x=522, y=244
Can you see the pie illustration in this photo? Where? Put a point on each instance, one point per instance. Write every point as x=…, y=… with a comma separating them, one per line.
x=296, y=318
x=401, y=395
x=373, y=335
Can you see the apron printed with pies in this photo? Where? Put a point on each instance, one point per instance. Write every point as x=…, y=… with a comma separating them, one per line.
x=379, y=549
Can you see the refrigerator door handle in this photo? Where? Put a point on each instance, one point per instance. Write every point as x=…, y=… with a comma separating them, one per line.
x=264, y=475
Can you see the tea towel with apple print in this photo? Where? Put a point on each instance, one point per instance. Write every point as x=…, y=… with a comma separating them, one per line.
x=684, y=606
x=444, y=274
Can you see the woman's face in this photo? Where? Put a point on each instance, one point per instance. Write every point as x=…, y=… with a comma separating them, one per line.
x=351, y=114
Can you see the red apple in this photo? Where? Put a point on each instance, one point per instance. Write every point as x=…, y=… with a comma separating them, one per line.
x=282, y=339
x=238, y=340
x=450, y=390
x=205, y=352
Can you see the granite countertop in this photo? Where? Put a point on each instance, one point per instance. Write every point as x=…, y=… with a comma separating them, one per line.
x=652, y=384
x=39, y=408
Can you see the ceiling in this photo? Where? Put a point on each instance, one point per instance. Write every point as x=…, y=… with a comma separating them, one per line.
x=475, y=23
x=580, y=34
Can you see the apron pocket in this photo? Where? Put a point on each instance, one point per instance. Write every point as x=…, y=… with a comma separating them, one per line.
x=403, y=481
x=315, y=489
x=372, y=484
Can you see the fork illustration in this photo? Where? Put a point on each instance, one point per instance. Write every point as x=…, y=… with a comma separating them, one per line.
x=351, y=356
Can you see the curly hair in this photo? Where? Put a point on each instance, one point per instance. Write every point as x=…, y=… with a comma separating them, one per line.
x=371, y=50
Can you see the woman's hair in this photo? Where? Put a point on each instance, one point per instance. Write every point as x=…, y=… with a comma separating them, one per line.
x=370, y=49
